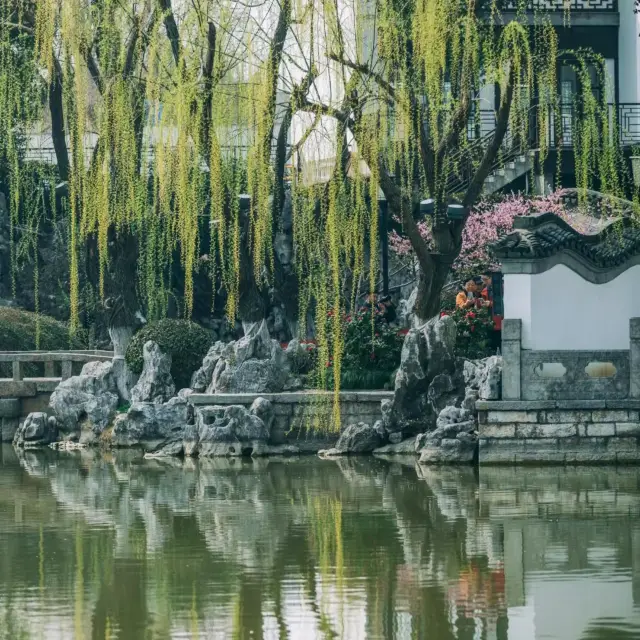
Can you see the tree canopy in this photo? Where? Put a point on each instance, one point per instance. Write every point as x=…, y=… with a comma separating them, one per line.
x=162, y=113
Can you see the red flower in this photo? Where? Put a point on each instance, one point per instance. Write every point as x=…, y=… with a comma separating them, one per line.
x=470, y=315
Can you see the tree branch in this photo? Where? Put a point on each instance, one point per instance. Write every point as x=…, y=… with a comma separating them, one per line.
x=207, y=76
x=365, y=70
x=456, y=126
x=58, y=132
x=502, y=124
x=172, y=29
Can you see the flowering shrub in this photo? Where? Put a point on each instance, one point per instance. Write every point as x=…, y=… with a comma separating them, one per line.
x=371, y=353
x=473, y=340
x=491, y=218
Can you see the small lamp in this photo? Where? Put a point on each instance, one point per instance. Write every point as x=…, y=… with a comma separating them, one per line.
x=456, y=212
x=427, y=207
x=245, y=202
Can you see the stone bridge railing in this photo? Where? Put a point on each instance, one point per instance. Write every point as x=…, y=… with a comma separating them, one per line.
x=52, y=361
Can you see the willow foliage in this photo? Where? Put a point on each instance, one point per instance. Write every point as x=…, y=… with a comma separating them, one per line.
x=174, y=109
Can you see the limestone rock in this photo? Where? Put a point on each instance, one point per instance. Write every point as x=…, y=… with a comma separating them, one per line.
x=484, y=376
x=88, y=401
x=405, y=447
x=201, y=379
x=147, y=423
x=406, y=316
x=427, y=378
x=155, y=383
x=38, y=430
x=490, y=385
x=357, y=438
x=253, y=364
x=229, y=430
x=263, y=408
x=450, y=451
x=452, y=415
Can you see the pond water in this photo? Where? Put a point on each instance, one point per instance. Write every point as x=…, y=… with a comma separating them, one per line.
x=98, y=547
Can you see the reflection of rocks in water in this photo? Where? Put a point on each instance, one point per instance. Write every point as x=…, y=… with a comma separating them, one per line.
x=209, y=544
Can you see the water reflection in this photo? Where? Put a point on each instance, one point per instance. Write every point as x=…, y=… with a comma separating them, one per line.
x=112, y=546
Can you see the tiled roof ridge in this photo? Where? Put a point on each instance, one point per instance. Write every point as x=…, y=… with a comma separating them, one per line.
x=545, y=235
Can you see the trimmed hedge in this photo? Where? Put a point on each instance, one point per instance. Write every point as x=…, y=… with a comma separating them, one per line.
x=18, y=333
x=186, y=342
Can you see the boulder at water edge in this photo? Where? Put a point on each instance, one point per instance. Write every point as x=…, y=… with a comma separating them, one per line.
x=87, y=402
x=149, y=424
x=427, y=379
x=357, y=438
x=38, y=430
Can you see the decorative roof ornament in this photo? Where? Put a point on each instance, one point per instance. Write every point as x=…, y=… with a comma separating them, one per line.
x=548, y=240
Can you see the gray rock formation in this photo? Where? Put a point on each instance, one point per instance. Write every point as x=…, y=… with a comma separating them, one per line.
x=38, y=430
x=484, y=376
x=155, y=383
x=357, y=438
x=459, y=450
x=230, y=430
x=87, y=402
x=405, y=447
x=149, y=425
x=427, y=378
x=253, y=364
x=201, y=379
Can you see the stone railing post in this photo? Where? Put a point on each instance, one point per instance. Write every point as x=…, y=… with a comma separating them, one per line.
x=17, y=370
x=66, y=369
x=634, y=357
x=511, y=368
x=49, y=369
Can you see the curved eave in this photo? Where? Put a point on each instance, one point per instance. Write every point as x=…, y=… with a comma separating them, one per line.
x=572, y=260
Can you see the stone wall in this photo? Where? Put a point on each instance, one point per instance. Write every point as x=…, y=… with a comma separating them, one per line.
x=20, y=398
x=305, y=415
x=557, y=432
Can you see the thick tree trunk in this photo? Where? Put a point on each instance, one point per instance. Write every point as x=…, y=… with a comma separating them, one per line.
x=122, y=305
x=430, y=285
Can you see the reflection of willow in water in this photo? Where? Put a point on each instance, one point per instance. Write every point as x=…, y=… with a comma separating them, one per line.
x=126, y=549
x=326, y=542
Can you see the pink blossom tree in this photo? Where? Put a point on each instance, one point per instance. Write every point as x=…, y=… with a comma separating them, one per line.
x=488, y=221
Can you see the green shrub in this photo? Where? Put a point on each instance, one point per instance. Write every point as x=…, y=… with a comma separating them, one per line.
x=186, y=342
x=371, y=352
x=19, y=332
x=475, y=327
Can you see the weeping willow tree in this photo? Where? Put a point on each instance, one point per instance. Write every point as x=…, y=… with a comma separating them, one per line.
x=162, y=113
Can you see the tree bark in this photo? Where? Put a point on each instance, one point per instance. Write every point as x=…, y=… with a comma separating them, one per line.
x=58, y=130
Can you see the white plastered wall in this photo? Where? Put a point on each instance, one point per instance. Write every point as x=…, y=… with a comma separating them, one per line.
x=560, y=310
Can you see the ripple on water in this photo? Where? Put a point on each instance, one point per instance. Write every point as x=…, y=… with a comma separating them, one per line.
x=304, y=549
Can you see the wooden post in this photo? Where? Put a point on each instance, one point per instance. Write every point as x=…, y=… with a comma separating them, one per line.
x=66, y=369
x=17, y=370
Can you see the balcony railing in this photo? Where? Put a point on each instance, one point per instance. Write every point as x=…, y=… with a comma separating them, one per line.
x=560, y=130
x=563, y=5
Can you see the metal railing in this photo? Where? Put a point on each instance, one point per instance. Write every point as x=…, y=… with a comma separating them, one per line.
x=562, y=5
x=50, y=360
